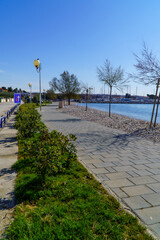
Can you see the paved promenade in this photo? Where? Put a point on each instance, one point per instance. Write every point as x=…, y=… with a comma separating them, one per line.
x=127, y=166
x=4, y=107
x=8, y=156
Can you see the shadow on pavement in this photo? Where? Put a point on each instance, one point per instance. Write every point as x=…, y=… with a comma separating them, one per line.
x=5, y=171
x=65, y=120
x=118, y=141
x=7, y=203
x=8, y=140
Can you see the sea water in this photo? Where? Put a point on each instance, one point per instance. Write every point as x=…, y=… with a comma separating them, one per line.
x=138, y=111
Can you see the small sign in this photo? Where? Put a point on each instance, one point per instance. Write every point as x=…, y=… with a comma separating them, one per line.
x=17, y=98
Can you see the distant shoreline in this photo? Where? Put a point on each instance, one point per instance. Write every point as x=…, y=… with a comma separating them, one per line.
x=118, y=102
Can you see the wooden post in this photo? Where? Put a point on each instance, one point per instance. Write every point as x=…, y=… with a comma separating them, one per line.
x=154, y=103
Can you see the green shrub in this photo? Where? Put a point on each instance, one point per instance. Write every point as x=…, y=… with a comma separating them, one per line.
x=48, y=153
x=41, y=152
x=28, y=121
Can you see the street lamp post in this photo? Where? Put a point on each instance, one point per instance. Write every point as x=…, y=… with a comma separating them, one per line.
x=30, y=86
x=37, y=64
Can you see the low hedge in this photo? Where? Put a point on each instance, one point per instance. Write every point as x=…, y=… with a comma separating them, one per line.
x=28, y=121
x=45, y=153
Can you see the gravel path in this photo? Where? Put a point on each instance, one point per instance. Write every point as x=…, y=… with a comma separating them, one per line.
x=130, y=125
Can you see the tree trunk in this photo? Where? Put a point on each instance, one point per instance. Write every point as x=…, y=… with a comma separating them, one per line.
x=154, y=104
x=110, y=101
x=86, y=99
x=156, y=111
x=69, y=101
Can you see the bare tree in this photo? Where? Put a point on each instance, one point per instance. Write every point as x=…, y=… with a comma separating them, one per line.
x=112, y=77
x=87, y=91
x=148, y=72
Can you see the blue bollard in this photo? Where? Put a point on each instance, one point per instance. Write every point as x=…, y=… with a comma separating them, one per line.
x=8, y=114
x=3, y=121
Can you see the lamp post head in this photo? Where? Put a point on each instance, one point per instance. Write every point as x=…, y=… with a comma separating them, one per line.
x=29, y=85
x=36, y=63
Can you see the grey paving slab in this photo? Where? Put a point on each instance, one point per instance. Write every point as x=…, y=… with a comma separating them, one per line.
x=109, y=159
x=107, y=164
x=118, y=183
x=90, y=160
x=90, y=165
x=117, y=163
x=110, y=169
x=124, y=168
x=154, y=171
x=127, y=165
x=119, y=193
x=143, y=172
x=118, y=175
x=154, y=186
x=153, y=165
x=99, y=170
x=137, y=190
x=136, y=202
x=126, y=162
x=140, y=161
x=142, y=180
x=141, y=167
x=156, y=177
x=102, y=177
x=149, y=215
x=153, y=199
x=132, y=173
x=156, y=228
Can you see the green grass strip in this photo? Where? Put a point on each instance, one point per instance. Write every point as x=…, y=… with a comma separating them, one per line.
x=71, y=206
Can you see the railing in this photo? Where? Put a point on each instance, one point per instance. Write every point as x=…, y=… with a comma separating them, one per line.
x=9, y=112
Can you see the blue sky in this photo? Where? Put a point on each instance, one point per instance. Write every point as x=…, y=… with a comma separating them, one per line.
x=74, y=35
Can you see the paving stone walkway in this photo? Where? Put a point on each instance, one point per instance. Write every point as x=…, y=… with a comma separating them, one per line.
x=8, y=156
x=127, y=166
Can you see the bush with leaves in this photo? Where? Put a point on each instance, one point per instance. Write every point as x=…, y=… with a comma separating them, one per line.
x=41, y=152
x=28, y=121
x=48, y=153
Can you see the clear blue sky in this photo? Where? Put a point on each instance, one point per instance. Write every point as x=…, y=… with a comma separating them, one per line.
x=74, y=35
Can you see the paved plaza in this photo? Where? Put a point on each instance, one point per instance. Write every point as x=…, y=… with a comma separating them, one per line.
x=126, y=165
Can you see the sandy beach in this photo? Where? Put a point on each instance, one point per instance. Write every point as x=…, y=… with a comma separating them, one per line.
x=129, y=125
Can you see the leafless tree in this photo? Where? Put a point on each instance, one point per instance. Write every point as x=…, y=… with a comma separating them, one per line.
x=113, y=77
x=87, y=91
x=147, y=72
